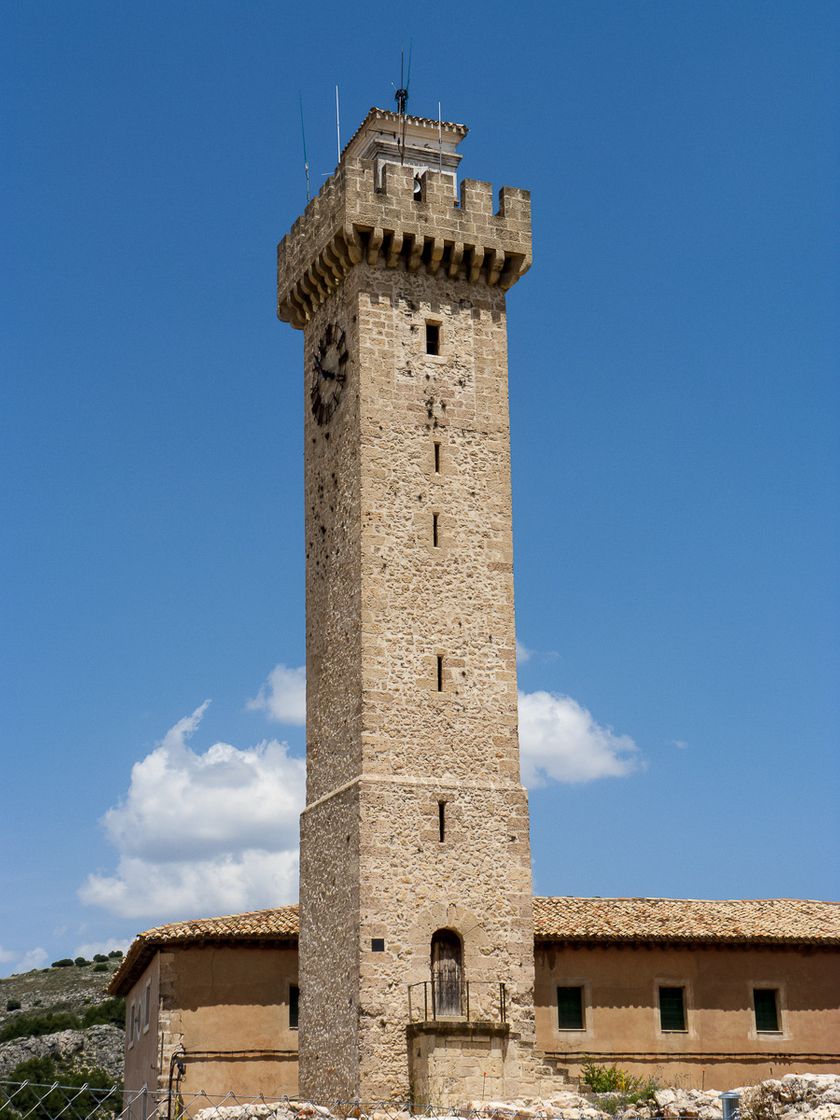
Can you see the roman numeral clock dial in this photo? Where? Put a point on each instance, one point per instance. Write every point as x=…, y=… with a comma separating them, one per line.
x=329, y=374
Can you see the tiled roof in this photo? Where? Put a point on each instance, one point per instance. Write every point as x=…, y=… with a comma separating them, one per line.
x=253, y=927
x=761, y=921
x=734, y=921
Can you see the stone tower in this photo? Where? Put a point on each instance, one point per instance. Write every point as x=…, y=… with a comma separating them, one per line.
x=416, y=942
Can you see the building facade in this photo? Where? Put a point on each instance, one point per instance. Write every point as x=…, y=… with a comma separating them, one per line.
x=707, y=995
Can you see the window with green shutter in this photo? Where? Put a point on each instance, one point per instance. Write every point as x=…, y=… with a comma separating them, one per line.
x=766, y=1003
x=672, y=1009
x=570, y=1009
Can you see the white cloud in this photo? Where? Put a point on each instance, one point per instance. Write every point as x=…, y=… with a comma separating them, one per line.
x=283, y=696
x=523, y=654
x=203, y=833
x=680, y=744
x=22, y=961
x=560, y=741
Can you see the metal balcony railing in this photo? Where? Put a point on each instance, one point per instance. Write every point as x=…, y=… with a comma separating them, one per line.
x=468, y=1000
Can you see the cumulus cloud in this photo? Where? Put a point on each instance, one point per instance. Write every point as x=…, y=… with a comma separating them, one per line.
x=203, y=833
x=13, y=961
x=283, y=695
x=561, y=741
x=523, y=654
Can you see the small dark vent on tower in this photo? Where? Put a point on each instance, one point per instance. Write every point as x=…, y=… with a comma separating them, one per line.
x=440, y=672
x=441, y=821
x=435, y=529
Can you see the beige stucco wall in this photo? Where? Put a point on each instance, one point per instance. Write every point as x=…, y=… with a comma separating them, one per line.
x=141, y=1054
x=229, y=1008
x=720, y=1047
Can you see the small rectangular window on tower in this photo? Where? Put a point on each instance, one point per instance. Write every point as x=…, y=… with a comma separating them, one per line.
x=441, y=821
x=432, y=338
x=437, y=457
x=377, y=944
x=440, y=672
x=435, y=529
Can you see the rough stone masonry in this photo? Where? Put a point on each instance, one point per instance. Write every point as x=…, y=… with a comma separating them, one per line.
x=416, y=823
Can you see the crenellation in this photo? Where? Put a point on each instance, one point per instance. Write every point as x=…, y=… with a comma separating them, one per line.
x=353, y=220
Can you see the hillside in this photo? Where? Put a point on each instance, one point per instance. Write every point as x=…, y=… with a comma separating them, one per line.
x=59, y=1020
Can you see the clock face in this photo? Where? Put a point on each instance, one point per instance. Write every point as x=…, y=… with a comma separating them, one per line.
x=329, y=374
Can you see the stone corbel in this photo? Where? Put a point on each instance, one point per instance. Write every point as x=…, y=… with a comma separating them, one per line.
x=333, y=263
x=300, y=310
x=437, y=255
x=353, y=242
x=374, y=244
x=395, y=249
x=415, y=260
x=477, y=262
x=495, y=260
x=456, y=258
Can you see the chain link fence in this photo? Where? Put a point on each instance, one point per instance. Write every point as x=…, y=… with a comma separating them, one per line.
x=25, y=1100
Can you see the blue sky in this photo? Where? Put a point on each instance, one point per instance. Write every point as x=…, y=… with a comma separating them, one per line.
x=674, y=408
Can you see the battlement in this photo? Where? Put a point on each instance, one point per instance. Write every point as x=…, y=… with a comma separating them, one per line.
x=410, y=221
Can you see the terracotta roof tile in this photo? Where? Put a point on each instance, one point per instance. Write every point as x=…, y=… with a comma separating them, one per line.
x=767, y=920
x=254, y=926
x=733, y=921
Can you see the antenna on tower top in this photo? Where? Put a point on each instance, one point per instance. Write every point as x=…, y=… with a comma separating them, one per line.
x=401, y=96
x=305, y=160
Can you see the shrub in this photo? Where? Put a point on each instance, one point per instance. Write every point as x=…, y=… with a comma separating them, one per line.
x=65, y=962
x=99, y=958
x=80, y=962
x=13, y=1005
x=109, y=1011
x=48, y=1022
x=115, y=954
x=32, y=1102
x=611, y=1079
x=100, y=966
x=37, y=1023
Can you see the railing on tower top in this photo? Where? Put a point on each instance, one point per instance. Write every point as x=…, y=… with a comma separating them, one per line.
x=453, y=1000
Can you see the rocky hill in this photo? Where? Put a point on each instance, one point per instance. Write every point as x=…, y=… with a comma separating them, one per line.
x=55, y=1022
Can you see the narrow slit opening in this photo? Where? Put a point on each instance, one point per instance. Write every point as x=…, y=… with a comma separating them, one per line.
x=437, y=457
x=440, y=672
x=435, y=518
x=441, y=821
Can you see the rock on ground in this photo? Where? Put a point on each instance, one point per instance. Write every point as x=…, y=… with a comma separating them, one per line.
x=100, y=1047
x=815, y=1095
